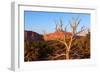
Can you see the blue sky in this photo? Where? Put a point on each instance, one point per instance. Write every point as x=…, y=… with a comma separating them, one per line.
x=45, y=21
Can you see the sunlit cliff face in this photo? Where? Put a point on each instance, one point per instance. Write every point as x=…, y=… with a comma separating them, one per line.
x=56, y=35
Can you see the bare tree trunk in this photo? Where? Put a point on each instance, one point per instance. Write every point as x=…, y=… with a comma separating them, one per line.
x=68, y=48
x=67, y=55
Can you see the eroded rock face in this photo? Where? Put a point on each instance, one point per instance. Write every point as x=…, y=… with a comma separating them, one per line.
x=56, y=35
x=32, y=36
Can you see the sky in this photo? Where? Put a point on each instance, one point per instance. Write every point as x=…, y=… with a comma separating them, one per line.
x=41, y=22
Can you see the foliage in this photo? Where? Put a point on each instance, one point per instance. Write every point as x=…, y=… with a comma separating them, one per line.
x=81, y=48
x=40, y=49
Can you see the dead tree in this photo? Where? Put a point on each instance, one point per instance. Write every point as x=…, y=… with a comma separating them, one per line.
x=59, y=25
x=74, y=23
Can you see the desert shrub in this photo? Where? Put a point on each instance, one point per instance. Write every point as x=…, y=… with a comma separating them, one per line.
x=44, y=50
x=81, y=48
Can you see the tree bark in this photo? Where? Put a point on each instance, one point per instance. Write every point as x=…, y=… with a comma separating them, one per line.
x=67, y=55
